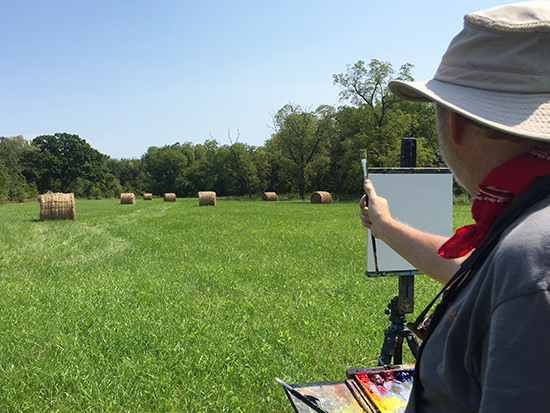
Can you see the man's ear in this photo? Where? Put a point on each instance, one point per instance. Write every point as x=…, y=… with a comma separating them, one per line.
x=458, y=127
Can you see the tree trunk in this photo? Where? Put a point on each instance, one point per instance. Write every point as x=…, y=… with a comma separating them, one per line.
x=302, y=189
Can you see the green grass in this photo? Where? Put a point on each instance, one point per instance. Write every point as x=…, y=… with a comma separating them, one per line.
x=167, y=307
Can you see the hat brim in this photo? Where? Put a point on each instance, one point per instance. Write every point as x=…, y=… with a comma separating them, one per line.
x=522, y=114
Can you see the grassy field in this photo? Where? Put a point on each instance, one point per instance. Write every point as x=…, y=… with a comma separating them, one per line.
x=171, y=307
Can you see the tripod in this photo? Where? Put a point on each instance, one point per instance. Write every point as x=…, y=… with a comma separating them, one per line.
x=394, y=336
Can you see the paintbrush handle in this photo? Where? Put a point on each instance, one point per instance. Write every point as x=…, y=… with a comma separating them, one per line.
x=366, y=176
x=373, y=240
x=303, y=398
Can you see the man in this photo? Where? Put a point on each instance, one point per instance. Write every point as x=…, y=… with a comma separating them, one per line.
x=485, y=346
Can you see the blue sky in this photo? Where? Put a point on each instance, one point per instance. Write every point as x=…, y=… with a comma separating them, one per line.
x=129, y=74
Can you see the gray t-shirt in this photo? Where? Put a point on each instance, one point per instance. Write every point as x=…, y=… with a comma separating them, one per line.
x=491, y=350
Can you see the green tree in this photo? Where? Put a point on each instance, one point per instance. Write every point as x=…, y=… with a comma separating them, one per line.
x=65, y=162
x=367, y=87
x=263, y=169
x=13, y=151
x=297, y=146
x=213, y=175
x=377, y=122
x=190, y=179
x=355, y=129
x=163, y=166
x=184, y=169
x=326, y=130
x=4, y=181
x=204, y=172
x=422, y=127
x=184, y=180
x=130, y=173
x=238, y=164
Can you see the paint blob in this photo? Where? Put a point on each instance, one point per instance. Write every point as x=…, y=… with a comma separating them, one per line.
x=389, y=390
x=403, y=375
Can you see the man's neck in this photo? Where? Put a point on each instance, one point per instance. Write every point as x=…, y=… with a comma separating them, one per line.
x=492, y=153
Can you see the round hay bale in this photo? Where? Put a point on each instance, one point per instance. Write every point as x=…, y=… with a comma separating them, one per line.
x=207, y=198
x=127, y=198
x=321, y=197
x=56, y=206
x=147, y=197
x=269, y=196
x=170, y=197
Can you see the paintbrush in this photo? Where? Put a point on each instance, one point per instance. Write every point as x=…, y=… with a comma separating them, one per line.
x=310, y=401
x=363, y=156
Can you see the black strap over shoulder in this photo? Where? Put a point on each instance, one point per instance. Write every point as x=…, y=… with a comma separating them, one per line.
x=537, y=191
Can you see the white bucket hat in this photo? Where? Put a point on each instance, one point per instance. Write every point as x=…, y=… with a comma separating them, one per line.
x=496, y=71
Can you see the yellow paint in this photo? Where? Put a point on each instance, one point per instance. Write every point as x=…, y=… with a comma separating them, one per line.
x=378, y=401
x=393, y=404
x=387, y=404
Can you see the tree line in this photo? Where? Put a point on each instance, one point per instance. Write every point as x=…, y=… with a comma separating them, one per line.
x=309, y=150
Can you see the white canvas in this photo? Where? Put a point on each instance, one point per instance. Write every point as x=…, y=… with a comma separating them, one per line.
x=422, y=200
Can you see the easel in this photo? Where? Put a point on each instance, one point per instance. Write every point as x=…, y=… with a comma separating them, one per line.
x=396, y=334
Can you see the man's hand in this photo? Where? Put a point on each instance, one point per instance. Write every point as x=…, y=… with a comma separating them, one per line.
x=376, y=213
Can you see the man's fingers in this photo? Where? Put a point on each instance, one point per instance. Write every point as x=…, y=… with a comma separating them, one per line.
x=369, y=188
x=365, y=219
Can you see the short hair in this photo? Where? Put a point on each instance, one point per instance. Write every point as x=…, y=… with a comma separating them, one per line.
x=488, y=131
x=493, y=133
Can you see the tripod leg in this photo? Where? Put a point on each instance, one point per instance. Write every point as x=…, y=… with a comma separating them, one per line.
x=393, y=346
x=398, y=353
x=388, y=348
x=413, y=343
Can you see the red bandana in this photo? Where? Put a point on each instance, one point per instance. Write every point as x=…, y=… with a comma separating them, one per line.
x=496, y=193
